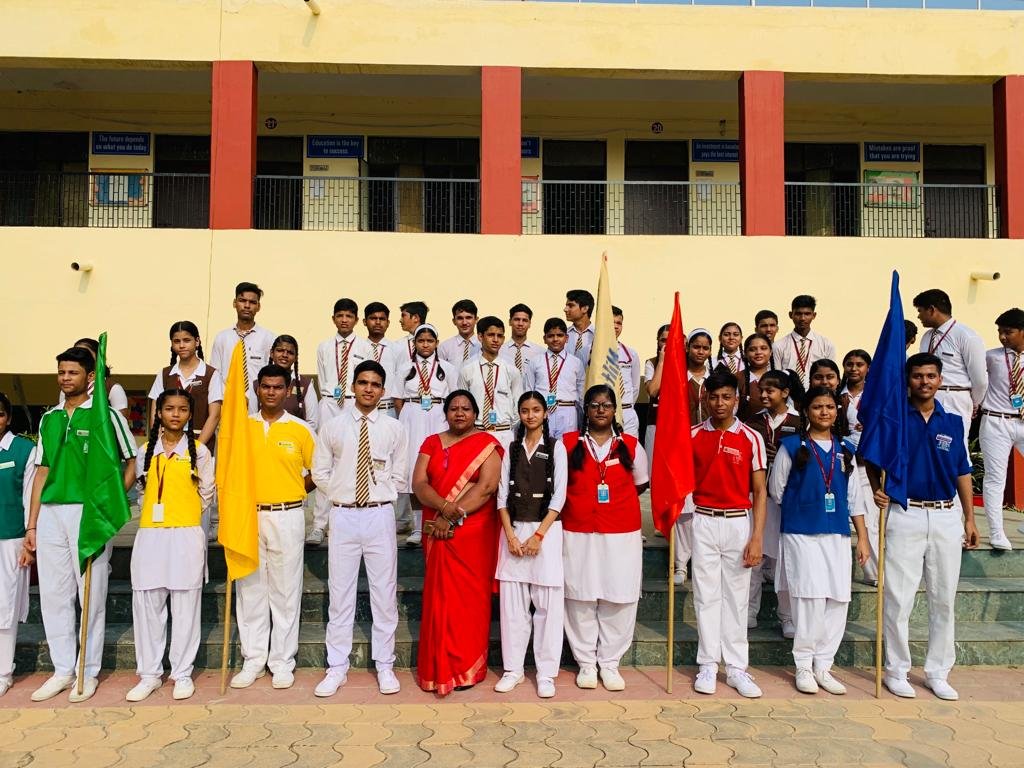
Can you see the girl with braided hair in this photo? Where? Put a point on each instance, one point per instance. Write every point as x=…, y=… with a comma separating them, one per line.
x=531, y=493
x=169, y=553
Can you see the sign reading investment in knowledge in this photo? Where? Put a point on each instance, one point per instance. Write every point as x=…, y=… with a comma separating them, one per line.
x=716, y=151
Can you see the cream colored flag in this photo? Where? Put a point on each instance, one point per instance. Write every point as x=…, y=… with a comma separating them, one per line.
x=604, y=355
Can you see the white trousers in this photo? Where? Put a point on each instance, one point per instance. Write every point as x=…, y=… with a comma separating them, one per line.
x=721, y=589
x=8, y=639
x=820, y=624
x=758, y=576
x=649, y=435
x=562, y=419
x=631, y=422
x=921, y=542
x=321, y=510
x=599, y=632
x=61, y=584
x=273, y=594
x=998, y=437
x=362, y=535
x=548, y=626
x=684, y=540
x=961, y=404
x=149, y=618
x=871, y=519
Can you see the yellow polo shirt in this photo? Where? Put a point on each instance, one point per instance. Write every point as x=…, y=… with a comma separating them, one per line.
x=282, y=450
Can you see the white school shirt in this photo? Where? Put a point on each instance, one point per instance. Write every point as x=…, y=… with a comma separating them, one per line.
x=588, y=343
x=257, y=354
x=736, y=357
x=784, y=352
x=402, y=387
x=963, y=356
x=330, y=352
x=559, y=476
x=852, y=418
x=336, y=457
x=629, y=369
x=999, y=362
x=215, y=390
x=568, y=387
x=508, y=386
x=529, y=350
x=453, y=351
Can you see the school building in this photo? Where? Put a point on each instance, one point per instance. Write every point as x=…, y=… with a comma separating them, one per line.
x=154, y=154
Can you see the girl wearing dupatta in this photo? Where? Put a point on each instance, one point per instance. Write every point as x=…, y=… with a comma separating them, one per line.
x=455, y=478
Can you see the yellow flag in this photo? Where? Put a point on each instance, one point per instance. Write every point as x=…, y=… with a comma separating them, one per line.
x=604, y=355
x=236, y=494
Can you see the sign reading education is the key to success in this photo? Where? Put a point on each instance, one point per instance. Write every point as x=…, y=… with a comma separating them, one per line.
x=120, y=143
x=892, y=152
x=716, y=151
x=335, y=146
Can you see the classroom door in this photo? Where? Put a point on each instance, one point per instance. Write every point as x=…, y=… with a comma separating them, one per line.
x=652, y=208
x=959, y=210
x=44, y=179
x=277, y=196
x=822, y=206
x=181, y=201
x=576, y=208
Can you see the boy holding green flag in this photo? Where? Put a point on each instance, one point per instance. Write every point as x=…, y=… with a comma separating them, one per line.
x=78, y=504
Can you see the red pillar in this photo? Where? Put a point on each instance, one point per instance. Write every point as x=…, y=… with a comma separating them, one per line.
x=233, y=144
x=1008, y=109
x=500, y=151
x=762, y=153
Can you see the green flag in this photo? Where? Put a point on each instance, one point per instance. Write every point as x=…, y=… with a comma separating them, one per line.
x=106, y=507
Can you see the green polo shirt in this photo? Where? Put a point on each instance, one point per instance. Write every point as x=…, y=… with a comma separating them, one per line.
x=64, y=443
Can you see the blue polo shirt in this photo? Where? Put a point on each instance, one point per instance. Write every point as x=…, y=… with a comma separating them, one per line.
x=937, y=454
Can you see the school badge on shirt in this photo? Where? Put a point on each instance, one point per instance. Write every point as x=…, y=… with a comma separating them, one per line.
x=943, y=442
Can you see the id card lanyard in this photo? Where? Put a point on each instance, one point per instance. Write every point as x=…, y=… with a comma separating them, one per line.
x=830, y=498
x=934, y=345
x=426, y=398
x=158, y=508
x=603, y=493
x=491, y=417
x=1016, y=399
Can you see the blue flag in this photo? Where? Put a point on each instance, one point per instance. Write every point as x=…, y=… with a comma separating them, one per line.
x=883, y=408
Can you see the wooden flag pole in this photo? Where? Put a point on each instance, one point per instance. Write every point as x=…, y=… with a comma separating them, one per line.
x=227, y=637
x=669, y=663
x=80, y=684
x=880, y=599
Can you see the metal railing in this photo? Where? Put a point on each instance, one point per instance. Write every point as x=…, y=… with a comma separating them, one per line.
x=891, y=210
x=631, y=208
x=367, y=204
x=942, y=5
x=112, y=199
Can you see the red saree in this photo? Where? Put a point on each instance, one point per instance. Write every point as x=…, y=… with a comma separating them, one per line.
x=458, y=583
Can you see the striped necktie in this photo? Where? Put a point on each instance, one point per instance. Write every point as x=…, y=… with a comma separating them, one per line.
x=579, y=343
x=343, y=368
x=1017, y=377
x=465, y=350
x=519, y=358
x=733, y=365
x=378, y=350
x=801, y=360
x=424, y=377
x=489, y=390
x=363, y=465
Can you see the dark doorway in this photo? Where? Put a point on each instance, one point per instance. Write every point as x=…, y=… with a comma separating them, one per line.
x=44, y=179
x=959, y=210
x=277, y=200
x=656, y=209
x=181, y=201
x=818, y=204
x=577, y=208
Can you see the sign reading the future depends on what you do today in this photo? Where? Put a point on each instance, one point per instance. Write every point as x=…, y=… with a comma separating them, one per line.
x=120, y=143
x=335, y=146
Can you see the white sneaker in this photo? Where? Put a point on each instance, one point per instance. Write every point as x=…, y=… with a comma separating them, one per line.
x=315, y=537
x=788, y=629
x=586, y=678
x=330, y=684
x=508, y=681
x=387, y=682
x=805, y=682
x=825, y=680
x=707, y=679
x=52, y=687
x=403, y=528
x=545, y=687
x=143, y=689
x=5, y=685
x=183, y=689
x=942, y=689
x=283, y=679
x=751, y=622
x=900, y=687
x=743, y=683
x=612, y=680
x=88, y=689
x=998, y=540
x=414, y=539
x=679, y=578
x=247, y=677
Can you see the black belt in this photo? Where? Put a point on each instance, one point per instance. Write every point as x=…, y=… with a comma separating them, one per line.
x=367, y=505
x=721, y=512
x=496, y=427
x=627, y=405
x=946, y=388
x=420, y=399
x=565, y=402
x=1001, y=415
x=385, y=405
x=279, y=507
x=930, y=504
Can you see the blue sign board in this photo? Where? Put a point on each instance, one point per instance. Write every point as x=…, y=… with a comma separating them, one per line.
x=715, y=151
x=892, y=152
x=120, y=143
x=530, y=146
x=335, y=146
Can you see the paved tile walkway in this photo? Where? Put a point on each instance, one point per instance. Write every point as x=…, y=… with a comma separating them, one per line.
x=642, y=726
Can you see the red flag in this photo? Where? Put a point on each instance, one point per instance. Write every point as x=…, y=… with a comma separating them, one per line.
x=672, y=464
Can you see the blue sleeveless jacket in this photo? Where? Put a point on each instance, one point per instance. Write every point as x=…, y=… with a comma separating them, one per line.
x=803, y=502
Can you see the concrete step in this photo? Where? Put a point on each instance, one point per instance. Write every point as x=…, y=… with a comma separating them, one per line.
x=978, y=599
x=989, y=643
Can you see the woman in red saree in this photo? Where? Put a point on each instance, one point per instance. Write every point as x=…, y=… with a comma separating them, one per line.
x=455, y=478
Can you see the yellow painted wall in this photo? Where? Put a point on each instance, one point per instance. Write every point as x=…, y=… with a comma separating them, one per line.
x=144, y=280
x=449, y=32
